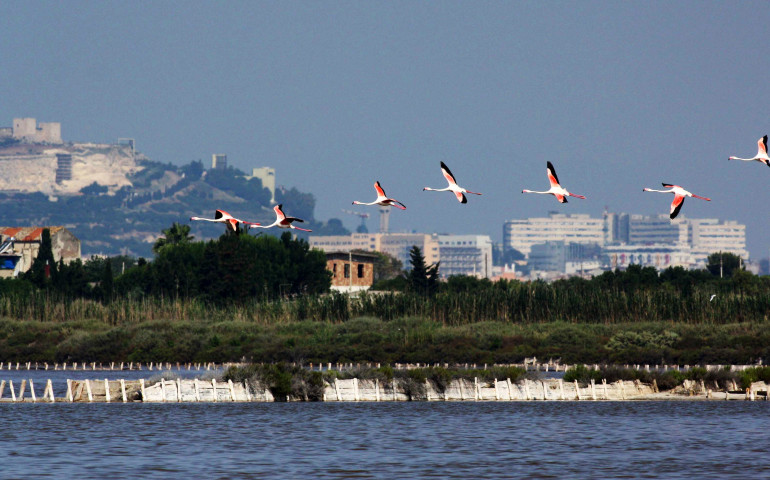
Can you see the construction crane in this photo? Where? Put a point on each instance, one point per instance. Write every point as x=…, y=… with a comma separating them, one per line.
x=361, y=228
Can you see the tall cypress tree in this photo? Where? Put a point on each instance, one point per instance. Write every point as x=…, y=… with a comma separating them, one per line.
x=423, y=279
x=37, y=273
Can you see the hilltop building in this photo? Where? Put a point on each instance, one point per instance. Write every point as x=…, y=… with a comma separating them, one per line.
x=24, y=245
x=27, y=130
x=267, y=176
x=219, y=161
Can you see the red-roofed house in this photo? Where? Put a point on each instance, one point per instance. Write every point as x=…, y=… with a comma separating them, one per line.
x=26, y=244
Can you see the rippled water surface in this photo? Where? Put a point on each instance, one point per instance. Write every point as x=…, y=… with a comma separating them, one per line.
x=387, y=440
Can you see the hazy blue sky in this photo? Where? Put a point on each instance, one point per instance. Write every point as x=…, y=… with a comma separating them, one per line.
x=335, y=95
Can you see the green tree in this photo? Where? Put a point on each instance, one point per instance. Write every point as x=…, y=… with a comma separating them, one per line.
x=176, y=233
x=724, y=264
x=44, y=266
x=423, y=279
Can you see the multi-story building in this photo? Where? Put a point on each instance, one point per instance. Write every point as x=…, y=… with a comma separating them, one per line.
x=465, y=255
x=650, y=240
x=267, y=176
x=709, y=235
x=569, y=228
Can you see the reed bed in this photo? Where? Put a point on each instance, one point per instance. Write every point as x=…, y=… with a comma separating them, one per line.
x=521, y=303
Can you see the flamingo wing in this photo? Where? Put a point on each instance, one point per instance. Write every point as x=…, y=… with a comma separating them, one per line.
x=221, y=214
x=448, y=174
x=398, y=204
x=293, y=219
x=278, y=212
x=560, y=198
x=676, y=205
x=380, y=191
x=668, y=185
x=552, y=175
x=461, y=197
x=232, y=224
x=762, y=144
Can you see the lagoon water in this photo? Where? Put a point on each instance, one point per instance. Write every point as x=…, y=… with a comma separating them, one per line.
x=403, y=440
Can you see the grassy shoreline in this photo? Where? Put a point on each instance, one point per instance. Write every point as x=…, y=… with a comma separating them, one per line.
x=226, y=337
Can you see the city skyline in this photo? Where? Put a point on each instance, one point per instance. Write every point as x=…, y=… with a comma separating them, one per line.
x=337, y=95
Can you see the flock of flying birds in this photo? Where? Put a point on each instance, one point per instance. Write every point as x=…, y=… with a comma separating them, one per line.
x=236, y=225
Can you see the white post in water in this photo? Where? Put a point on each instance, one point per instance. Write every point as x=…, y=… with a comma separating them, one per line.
x=49, y=390
x=377, y=389
x=355, y=380
x=497, y=392
x=593, y=390
x=577, y=390
x=561, y=389
x=22, y=389
x=604, y=384
x=141, y=384
x=232, y=390
x=162, y=390
x=214, y=386
x=476, y=388
x=123, y=389
x=69, y=391
x=510, y=388
x=197, y=391
x=2, y=387
x=107, y=390
x=34, y=398
x=178, y=390
x=13, y=394
x=88, y=389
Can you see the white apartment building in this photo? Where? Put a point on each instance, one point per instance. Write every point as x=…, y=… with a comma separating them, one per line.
x=648, y=240
x=647, y=229
x=709, y=235
x=569, y=228
x=465, y=255
x=397, y=245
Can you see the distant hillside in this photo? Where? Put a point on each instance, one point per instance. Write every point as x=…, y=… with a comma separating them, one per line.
x=127, y=220
x=30, y=168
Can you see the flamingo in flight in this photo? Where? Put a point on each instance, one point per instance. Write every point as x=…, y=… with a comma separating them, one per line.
x=382, y=199
x=679, y=194
x=231, y=223
x=453, y=186
x=761, y=153
x=556, y=190
x=282, y=221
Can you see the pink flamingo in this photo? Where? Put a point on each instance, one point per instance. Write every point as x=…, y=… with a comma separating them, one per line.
x=282, y=221
x=453, y=186
x=761, y=153
x=556, y=190
x=382, y=199
x=231, y=223
x=679, y=194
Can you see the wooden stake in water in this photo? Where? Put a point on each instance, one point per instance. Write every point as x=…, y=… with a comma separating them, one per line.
x=2, y=387
x=69, y=391
x=13, y=394
x=107, y=390
x=123, y=389
x=32, y=390
x=88, y=389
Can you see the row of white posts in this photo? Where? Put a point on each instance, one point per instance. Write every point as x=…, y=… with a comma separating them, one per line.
x=47, y=394
x=100, y=366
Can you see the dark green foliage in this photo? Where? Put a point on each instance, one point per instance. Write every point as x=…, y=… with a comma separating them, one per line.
x=43, y=270
x=176, y=233
x=423, y=279
x=723, y=264
x=234, y=268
